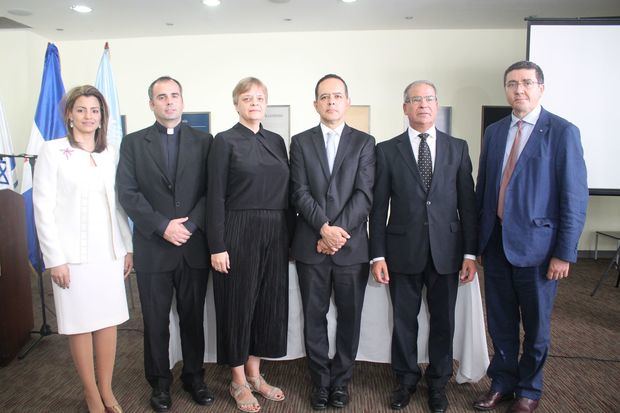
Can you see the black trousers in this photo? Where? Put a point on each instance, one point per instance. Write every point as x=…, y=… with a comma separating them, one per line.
x=251, y=301
x=406, y=294
x=316, y=283
x=156, y=291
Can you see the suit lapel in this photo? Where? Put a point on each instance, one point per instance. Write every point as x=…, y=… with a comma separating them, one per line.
x=404, y=147
x=186, y=150
x=441, y=159
x=533, y=143
x=343, y=148
x=496, y=152
x=319, y=146
x=104, y=161
x=154, y=149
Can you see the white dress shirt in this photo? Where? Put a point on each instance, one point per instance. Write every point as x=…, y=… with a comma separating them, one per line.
x=431, y=140
x=337, y=131
x=527, y=127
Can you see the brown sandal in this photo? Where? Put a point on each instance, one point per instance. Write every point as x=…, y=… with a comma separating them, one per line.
x=245, y=404
x=258, y=385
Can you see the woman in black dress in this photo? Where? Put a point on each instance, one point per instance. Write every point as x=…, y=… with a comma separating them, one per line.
x=247, y=205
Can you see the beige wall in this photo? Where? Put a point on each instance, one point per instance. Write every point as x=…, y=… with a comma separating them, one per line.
x=466, y=66
x=20, y=80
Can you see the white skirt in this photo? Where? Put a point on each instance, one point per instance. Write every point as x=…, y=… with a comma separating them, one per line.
x=94, y=300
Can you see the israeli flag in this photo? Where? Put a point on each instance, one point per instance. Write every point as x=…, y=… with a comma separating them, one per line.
x=8, y=180
x=107, y=86
x=48, y=125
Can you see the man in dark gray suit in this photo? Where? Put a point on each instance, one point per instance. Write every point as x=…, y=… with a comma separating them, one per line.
x=424, y=178
x=332, y=173
x=161, y=183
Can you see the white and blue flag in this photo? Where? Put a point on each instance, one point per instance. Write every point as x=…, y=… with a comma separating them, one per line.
x=107, y=86
x=48, y=125
x=8, y=180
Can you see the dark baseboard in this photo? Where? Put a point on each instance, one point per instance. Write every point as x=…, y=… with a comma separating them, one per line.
x=601, y=254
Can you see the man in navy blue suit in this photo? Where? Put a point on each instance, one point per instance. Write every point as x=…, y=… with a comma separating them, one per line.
x=532, y=197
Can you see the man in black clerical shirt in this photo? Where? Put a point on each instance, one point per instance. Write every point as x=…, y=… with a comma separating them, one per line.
x=161, y=183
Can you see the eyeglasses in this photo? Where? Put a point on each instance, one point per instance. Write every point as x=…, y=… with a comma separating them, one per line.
x=527, y=84
x=418, y=99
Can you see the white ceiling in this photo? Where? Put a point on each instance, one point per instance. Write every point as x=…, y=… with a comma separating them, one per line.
x=109, y=19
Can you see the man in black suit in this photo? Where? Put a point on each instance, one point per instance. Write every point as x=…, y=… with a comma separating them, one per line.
x=332, y=173
x=425, y=175
x=161, y=183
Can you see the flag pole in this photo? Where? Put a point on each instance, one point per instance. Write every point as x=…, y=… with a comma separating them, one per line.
x=45, y=330
x=48, y=124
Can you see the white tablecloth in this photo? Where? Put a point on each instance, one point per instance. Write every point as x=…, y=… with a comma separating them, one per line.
x=470, y=344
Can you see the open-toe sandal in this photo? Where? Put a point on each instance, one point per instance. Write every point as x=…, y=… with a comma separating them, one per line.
x=245, y=402
x=260, y=386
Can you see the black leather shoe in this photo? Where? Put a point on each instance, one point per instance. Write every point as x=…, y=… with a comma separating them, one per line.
x=437, y=401
x=160, y=400
x=401, y=397
x=319, y=398
x=200, y=393
x=339, y=396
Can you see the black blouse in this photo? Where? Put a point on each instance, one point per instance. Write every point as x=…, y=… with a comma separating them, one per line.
x=247, y=170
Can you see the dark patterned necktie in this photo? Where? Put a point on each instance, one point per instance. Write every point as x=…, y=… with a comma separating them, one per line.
x=425, y=163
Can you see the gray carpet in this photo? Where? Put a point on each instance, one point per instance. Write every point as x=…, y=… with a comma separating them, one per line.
x=582, y=374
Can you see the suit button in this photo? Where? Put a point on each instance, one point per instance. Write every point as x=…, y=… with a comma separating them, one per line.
x=428, y=202
x=178, y=204
x=169, y=186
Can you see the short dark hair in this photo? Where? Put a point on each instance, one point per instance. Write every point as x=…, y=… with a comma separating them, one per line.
x=525, y=64
x=330, y=76
x=163, y=79
x=69, y=102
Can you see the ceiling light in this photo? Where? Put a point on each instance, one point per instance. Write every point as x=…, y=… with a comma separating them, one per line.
x=80, y=8
x=348, y=1
x=211, y=3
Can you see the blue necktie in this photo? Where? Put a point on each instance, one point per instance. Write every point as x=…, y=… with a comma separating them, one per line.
x=331, y=149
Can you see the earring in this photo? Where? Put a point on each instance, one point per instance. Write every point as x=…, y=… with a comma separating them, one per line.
x=71, y=124
x=99, y=127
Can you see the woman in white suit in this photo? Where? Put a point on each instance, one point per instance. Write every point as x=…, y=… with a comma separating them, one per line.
x=85, y=240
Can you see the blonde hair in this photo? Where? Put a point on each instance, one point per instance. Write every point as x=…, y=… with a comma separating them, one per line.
x=246, y=84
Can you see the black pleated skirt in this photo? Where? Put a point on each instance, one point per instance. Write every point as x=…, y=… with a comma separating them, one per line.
x=251, y=301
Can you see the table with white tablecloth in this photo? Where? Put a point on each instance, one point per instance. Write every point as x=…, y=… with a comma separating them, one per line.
x=470, y=344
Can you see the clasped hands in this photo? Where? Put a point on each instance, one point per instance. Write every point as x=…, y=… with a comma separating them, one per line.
x=332, y=239
x=176, y=233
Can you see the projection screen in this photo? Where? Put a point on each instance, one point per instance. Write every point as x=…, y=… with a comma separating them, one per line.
x=581, y=62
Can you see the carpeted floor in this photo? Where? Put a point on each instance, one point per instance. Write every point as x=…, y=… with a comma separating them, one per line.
x=582, y=373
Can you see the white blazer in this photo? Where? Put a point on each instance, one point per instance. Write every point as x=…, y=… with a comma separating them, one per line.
x=60, y=197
